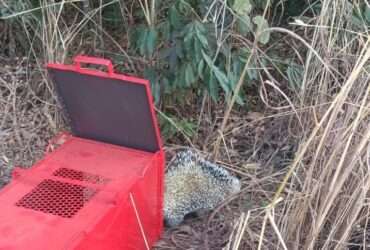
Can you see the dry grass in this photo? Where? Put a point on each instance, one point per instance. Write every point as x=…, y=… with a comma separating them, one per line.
x=28, y=115
x=324, y=195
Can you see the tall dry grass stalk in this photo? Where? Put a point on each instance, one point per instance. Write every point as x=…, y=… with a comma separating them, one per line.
x=324, y=195
x=329, y=180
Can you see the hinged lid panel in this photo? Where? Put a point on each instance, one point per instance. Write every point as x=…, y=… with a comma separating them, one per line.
x=107, y=107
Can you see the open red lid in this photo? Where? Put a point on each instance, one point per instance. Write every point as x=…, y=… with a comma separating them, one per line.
x=106, y=106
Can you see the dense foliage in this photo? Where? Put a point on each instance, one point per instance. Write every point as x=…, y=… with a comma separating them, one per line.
x=185, y=47
x=198, y=45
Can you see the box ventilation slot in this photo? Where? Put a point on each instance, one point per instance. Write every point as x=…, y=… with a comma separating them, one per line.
x=57, y=198
x=80, y=176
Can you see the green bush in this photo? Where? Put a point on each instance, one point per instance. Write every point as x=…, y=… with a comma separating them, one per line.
x=191, y=45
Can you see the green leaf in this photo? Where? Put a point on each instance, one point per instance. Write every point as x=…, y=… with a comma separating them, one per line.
x=295, y=75
x=367, y=14
x=226, y=50
x=164, y=29
x=189, y=128
x=357, y=22
x=165, y=83
x=262, y=24
x=200, y=69
x=200, y=27
x=151, y=41
x=172, y=126
x=151, y=75
x=244, y=25
x=189, y=32
x=174, y=17
x=203, y=39
x=179, y=49
x=141, y=41
x=181, y=82
x=189, y=38
x=221, y=77
x=211, y=84
x=239, y=100
x=189, y=75
x=197, y=55
x=242, y=7
x=156, y=90
x=233, y=81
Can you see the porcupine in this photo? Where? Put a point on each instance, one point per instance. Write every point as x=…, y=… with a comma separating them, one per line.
x=194, y=184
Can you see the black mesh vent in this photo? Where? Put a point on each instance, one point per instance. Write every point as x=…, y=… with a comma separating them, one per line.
x=57, y=198
x=73, y=174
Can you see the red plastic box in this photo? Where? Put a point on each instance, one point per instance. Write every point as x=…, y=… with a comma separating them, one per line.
x=103, y=187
